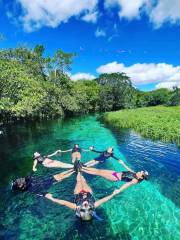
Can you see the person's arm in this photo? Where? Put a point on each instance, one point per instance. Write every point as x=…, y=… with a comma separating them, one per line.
x=69, y=150
x=34, y=165
x=86, y=150
x=61, y=202
x=125, y=166
x=96, y=151
x=93, y=150
x=114, y=157
x=53, y=154
x=125, y=186
x=103, y=200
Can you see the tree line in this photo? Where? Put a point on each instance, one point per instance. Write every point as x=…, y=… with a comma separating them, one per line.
x=34, y=86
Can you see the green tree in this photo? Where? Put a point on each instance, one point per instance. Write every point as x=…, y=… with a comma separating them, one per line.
x=32, y=58
x=121, y=89
x=106, y=99
x=86, y=93
x=175, y=99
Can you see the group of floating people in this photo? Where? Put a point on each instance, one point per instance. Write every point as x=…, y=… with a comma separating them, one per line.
x=84, y=203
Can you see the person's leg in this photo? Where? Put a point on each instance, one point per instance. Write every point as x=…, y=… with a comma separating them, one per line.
x=73, y=157
x=56, y=164
x=100, y=172
x=78, y=186
x=63, y=175
x=76, y=156
x=91, y=163
x=81, y=184
x=86, y=187
x=92, y=171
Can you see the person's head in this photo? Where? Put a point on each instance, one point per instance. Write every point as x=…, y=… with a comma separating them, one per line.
x=143, y=175
x=36, y=155
x=20, y=184
x=110, y=150
x=76, y=145
x=85, y=211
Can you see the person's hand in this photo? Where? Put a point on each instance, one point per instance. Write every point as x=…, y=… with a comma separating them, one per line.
x=116, y=191
x=49, y=196
x=120, y=161
x=91, y=148
x=34, y=169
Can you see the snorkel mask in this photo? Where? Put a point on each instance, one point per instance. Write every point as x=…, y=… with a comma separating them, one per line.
x=86, y=214
x=19, y=184
x=146, y=175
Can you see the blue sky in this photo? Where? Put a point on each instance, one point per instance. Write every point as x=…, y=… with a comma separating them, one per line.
x=139, y=37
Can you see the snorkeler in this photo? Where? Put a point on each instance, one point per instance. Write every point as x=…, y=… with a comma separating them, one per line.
x=84, y=203
x=75, y=152
x=49, y=163
x=104, y=155
x=37, y=185
x=130, y=177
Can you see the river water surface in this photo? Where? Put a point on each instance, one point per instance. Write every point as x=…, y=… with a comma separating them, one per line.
x=148, y=211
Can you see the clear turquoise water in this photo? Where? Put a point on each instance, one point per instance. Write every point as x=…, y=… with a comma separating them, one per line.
x=149, y=210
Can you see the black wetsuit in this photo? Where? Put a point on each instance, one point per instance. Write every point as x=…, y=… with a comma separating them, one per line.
x=84, y=196
x=41, y=185
x=128, y=176
x=104, y=156
x=36, y=185
x=76, y=149
x=40, y=160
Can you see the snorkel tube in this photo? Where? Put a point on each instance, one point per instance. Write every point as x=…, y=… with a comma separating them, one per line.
x=94, y=214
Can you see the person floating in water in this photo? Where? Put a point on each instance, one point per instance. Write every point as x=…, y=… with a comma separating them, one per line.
x=84, y=203
x=130, y=177
x=47, y=162
x=104, y=155
x=38, y=185
x=75, y=152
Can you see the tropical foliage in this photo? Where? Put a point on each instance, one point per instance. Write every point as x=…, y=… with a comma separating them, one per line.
x=33, y=86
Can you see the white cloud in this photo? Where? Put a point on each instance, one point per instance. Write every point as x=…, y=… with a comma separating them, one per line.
x=165, y=11
x=84, y=76
x=168, y=85
x=38, y=13
x=144, y=73
x=128, y=9
x=91, y=17
x=111, y=67
x=100, y=33
x=159, y=11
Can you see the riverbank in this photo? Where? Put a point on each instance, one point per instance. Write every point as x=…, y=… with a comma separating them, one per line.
x=159, y=123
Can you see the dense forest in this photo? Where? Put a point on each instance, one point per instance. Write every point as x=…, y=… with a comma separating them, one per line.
x=34, y=86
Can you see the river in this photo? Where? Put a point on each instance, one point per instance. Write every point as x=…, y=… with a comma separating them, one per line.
x=148, y=211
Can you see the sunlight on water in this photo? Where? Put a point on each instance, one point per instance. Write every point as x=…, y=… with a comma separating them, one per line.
x=142, y=212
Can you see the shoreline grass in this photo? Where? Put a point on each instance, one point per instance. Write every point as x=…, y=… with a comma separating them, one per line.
x=159, y=123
